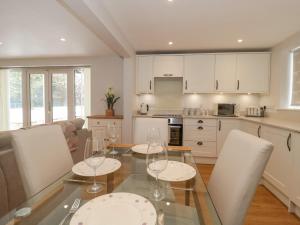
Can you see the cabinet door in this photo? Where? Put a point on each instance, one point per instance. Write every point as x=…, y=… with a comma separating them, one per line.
x=168, y=66
x=225, y=74
x=199, y=73
x=253, y=72
x=295, y=148
x=99, y=133
x=144, y=74
x=202, y=148
x=251, y=128
x=279, y=167
x=224, y=128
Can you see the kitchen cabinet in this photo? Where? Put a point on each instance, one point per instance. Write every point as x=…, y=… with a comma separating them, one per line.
x=168, y=66
x=251, y=128
x=279, y=167
x=200, y=134
x=199, y=70
x=144, y=75
x=223, y=129
x=99, y=128
x=253, y=72
x=225, y=73
x=295, y=148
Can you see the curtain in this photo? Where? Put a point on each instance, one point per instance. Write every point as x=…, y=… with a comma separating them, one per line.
x=4, y=107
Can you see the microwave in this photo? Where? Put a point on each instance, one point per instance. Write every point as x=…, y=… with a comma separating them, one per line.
x=223, y=109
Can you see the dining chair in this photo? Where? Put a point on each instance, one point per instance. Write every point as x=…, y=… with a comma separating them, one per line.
x=42, y=155
x=142, y=125
x=236, y=175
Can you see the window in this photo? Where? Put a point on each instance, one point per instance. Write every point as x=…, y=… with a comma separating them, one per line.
x=37, y=96
x=295, y=79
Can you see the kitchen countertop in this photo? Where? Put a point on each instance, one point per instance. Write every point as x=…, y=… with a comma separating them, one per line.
x=120, y=117
x=278, y=123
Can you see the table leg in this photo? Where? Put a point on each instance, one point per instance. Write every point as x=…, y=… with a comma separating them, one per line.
x=187, y=192
x=110, y=182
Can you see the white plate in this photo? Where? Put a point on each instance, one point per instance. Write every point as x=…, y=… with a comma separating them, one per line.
x=116, y=209
x=109, y=165
x=176, y=171
x=143, y=149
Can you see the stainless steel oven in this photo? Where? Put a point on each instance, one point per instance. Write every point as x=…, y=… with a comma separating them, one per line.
x=174, y=127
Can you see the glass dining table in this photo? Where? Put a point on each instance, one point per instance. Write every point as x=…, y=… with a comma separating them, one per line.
x=185, y=203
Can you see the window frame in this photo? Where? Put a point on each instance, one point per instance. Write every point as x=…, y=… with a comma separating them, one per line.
x=291, y=80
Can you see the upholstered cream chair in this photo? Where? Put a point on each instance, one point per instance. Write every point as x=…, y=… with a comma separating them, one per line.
x=42, y=155
x=142, y=125
x=237, y=173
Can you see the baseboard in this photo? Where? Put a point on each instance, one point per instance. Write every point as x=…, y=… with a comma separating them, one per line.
x=282, y=197
x=205, y=160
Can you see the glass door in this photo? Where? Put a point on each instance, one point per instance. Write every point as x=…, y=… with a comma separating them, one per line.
x=38, y=96
x=59, y=95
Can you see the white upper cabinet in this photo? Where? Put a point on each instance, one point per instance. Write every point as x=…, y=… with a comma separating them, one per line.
x=199, y=73
x=253, y=72
x=168, y=66
x=144, y=74
x=225, y=75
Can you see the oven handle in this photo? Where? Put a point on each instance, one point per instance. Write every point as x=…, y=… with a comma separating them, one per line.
x=175, y=126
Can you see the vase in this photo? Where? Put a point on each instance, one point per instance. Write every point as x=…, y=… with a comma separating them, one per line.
x=109, y=112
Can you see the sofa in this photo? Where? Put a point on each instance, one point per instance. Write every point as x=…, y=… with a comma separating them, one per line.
x=12, y=191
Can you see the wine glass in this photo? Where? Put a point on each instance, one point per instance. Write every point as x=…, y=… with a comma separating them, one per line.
x=157, y=161
x=94, y=157
x=153, y=136
x=113, y=137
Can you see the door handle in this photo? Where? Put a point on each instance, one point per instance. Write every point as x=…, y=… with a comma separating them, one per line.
x=200, y=128
x=150, y=86
x=220, y=125
x=288, y=142
x=200, y=121
x=199, y=143
x=186, y=86
x=217, y=84
x=258, y=131
x=238, y=85
x=168, y=75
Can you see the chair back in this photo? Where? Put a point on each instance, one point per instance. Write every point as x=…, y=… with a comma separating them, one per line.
x=141, y=126
x=237, y=173
x=42, y=155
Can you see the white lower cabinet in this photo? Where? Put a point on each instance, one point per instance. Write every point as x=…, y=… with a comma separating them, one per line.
x=99, y=128
x=251, y=128
x=279, y=167
x=295, y=181
x=200, y=134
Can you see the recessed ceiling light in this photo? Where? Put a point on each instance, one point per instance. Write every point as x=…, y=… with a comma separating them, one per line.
x=170, y=43
x=240, y=40
x=170, y=0
x=1, y=43
x=62, y=39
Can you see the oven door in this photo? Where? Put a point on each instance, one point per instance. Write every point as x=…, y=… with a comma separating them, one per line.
x=175, y=135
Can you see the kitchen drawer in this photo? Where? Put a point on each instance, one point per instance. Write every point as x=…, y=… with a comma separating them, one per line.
x=202, y=122
x=104, y=122
x=199, y=132
x=203, y=148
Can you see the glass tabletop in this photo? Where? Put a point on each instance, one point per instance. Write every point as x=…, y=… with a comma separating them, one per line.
x=185, y=203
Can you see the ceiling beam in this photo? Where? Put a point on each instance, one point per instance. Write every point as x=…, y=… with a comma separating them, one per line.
x=94, y=16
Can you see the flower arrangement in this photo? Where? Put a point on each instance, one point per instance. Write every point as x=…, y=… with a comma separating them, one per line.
x=111, y=99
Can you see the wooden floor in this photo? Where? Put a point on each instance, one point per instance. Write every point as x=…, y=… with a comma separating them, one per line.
x=265, y=209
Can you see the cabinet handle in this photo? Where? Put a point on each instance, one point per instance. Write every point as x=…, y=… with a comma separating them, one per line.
x=200, y=128
x=199, y=143
x=186, y=87
x=220, y=125
x=200, y=121
x=258, y=131
x=238, y=85
x=217, y=84
x=288, y=142
x=168, y=75
x=150, y=86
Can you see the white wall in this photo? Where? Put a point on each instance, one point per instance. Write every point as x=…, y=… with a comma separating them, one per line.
x=106, y=71
x=278, y=99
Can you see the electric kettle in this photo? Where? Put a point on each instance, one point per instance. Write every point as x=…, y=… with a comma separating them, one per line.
x=144, y=108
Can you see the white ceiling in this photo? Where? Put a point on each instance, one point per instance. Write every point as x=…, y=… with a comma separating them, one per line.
x=205, y=24
x=33, y=28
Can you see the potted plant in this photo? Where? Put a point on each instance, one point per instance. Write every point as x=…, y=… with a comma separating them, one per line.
x=111, y=99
